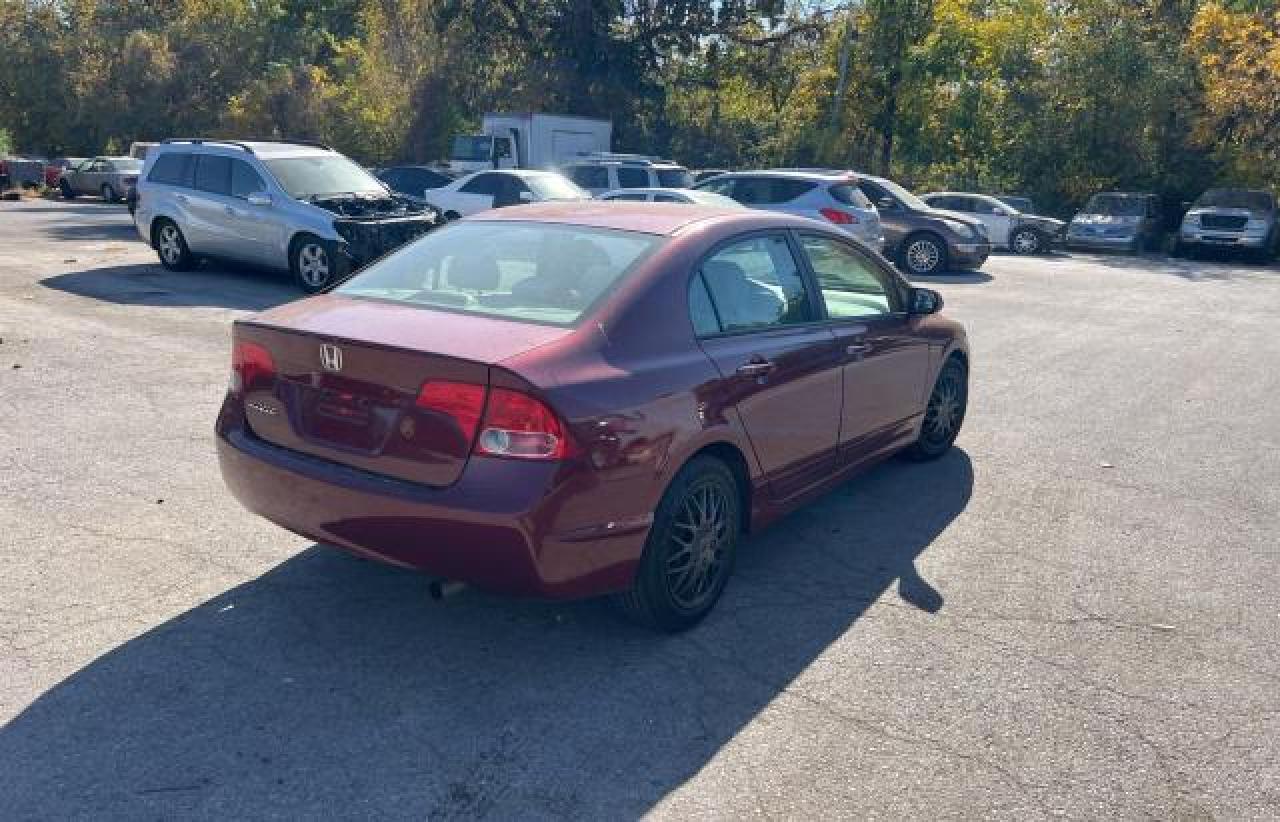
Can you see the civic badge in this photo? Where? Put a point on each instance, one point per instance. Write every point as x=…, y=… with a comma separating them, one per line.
x=330, y=357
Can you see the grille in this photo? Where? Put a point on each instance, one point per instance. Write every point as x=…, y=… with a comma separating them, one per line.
x=1223, y=222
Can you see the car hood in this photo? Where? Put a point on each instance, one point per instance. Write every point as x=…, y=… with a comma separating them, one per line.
x=1043, y=222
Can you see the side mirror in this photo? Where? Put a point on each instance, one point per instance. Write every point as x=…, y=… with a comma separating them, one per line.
x=525, y=196
x=259, y=198
x=925, y=301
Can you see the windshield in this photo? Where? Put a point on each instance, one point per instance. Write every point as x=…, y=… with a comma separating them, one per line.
x=1115, y=205
x=674, y=178
x=903, y=196
x=528, y=272
x=473, y=149
x=305, y=178
x=1234, y=198
x=127, y=164
x=555, y=187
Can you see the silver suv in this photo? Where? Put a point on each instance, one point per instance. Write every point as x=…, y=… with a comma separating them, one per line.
x=603, y=171
x=833, y=196
x=290, y=205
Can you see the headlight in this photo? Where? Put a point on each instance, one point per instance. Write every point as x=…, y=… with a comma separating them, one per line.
x=964, y=231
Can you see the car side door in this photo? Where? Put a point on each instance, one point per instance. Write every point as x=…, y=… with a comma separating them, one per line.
x=256, y=231
x=478, y=193
x=207, y=203
x=757, y=319
x=89, y=176
x=885, y=363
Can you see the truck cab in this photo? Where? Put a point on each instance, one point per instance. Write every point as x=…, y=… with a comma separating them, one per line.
x=528, y=140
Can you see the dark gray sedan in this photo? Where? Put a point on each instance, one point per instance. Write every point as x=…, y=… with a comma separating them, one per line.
x=111, y=178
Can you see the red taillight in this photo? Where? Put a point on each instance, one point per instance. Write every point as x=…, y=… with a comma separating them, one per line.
x=517, y=425
x=250, y=363
x=839, y=217
x=460, y=400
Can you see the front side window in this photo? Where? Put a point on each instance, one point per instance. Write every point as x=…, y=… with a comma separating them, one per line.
x=244, y=180
x=544, y=273
x=487, y=184
x=701, y=311
x=756, y=284
x=850, y=283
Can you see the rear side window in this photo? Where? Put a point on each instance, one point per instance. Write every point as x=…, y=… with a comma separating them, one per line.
x=213, y=174
x=701, y=311
x=172, y=169
x=632, y=177
x=851, y=284
x=849, y=195
x=755, y=283
x=590, y=176
x=674, y=178
x=769, y=190
x=244, y=180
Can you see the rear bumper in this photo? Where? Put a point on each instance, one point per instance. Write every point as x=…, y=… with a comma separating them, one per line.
x=1101, y=242
x=497, y=528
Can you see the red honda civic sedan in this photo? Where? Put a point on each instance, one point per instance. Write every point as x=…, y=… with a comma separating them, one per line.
x=567, y=400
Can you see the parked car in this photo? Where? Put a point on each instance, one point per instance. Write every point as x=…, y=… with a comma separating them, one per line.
x=1117, y=221
x=55, y=168
x=598, y=173
x=413, y=181
x=1233, y=218
x=497, y=189
x=828, y=195
x=671, y=195
x=542, y=401
x=922, y=239
x=1007, y=227
x=289, y=205
x=109, y=177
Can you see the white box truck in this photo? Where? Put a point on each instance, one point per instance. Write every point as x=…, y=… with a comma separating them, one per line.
x=529, y=140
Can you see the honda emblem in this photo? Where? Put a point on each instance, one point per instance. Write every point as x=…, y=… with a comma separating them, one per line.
x=330, y=357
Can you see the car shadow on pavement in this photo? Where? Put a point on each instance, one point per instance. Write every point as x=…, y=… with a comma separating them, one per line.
x=331, y=686
x=1209, y=268
x=219, y=285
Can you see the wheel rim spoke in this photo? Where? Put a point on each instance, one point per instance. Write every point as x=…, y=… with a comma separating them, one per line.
x=698, y=539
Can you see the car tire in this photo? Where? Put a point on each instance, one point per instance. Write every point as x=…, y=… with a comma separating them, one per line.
x=68, y=193
x=109, y=194
x=680, y=577
x=313, y=262
x=1027, y=241
x=944, y=414
x=924, y=254
x=172, y=247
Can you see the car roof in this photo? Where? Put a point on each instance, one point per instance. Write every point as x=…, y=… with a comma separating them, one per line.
x=821, y=175
x=665, y=219
x=262, y=149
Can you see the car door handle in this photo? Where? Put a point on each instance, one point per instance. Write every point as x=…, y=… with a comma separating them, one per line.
x=858, y=349
x=756, y=368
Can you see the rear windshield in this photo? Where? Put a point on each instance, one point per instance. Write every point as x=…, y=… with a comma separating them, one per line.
x=530, y=272
x=1113, y=205
x=850, y=195
x=1234, y=198
x=555, y=187
x=674, y=178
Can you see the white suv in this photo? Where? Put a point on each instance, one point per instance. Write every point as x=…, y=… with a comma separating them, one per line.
x=598, y=173
x=295, y=205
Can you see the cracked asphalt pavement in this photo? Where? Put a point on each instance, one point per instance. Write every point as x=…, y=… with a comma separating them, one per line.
x=1072, y=615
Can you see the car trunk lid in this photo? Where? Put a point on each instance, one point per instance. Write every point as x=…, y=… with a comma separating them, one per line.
x=347, y=375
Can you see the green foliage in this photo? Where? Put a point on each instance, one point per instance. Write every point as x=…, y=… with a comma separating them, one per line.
x=1055, y=99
